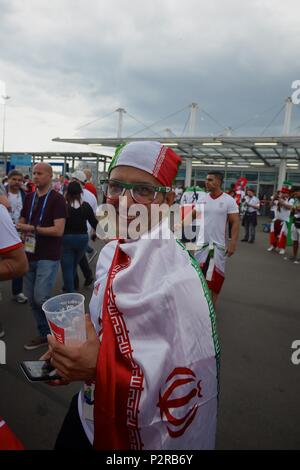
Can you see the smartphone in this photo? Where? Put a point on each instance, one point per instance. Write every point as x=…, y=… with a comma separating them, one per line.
x=36, y=371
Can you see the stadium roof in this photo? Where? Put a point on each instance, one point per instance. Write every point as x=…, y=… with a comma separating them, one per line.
x=237, y=151
x=58, y=155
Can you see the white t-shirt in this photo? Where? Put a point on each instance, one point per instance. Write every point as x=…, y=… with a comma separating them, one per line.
x=9, y=239
x=16, y=204
x=216, y=212
x=254, y=201
x=283, y=213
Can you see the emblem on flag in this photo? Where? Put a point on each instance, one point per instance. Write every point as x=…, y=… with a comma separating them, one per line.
x=179, y=378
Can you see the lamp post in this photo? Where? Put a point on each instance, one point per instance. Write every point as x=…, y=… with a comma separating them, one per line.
x=4, y=98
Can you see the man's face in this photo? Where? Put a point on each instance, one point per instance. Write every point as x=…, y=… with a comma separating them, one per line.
x=250, y=193
x=127, y=174
x=212, y=183
x=15, y=182
x=41, y=176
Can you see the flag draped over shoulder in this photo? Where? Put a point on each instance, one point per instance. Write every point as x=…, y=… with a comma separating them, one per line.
x=157, y=372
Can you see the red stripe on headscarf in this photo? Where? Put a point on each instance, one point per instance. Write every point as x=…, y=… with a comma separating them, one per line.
x=168, y=168
x=114, y=428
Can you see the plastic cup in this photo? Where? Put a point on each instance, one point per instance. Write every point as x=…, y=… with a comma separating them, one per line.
x=65, y=314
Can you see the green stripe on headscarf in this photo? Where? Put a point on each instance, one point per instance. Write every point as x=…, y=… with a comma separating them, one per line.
x=114, y=161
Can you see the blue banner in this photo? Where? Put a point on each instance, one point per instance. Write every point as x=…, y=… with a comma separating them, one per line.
x=20, y=160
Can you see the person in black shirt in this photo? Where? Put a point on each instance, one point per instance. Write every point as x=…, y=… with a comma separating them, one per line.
x=75, y=237
x=42, y=225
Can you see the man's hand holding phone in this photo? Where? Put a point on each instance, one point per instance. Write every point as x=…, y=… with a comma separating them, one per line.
x=39, y=371
x=56, y=381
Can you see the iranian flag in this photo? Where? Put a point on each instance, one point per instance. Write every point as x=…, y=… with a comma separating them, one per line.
x=157, y=377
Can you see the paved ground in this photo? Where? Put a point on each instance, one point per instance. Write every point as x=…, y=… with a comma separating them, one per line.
x=258, y=319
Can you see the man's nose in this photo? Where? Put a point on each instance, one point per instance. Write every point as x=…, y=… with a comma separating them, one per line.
x=126, y=200
x=129, y=198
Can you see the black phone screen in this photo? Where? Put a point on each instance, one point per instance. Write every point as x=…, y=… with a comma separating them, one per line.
x=39, y=370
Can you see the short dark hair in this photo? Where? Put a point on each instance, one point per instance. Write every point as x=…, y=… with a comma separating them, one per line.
x=217, y=174
x=14, y=173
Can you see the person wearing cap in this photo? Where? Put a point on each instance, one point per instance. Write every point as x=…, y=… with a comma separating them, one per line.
x=279, y=228
x=150, y=363
x=88, y=197
x=251, y=205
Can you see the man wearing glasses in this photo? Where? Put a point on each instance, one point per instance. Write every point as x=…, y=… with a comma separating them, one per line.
x=150, y=362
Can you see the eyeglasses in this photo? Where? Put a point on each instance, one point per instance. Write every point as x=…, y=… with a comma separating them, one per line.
x=141, y=193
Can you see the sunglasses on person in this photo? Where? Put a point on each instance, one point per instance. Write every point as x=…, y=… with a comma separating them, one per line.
x=141, y=193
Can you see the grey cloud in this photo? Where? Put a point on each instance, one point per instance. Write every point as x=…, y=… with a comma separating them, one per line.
x=85, y=59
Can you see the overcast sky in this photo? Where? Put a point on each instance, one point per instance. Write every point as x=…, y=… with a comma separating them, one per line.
x=66, y=63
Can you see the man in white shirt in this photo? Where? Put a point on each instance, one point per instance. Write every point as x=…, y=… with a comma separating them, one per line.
x=16, y=197
x=219, y=208
x=251, y=205
x=279, y=228
x=13, y=261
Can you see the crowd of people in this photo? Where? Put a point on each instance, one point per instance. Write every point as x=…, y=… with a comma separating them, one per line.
x=140, y=348
x=55, y=225
x=286, y=216
x=283, y=207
